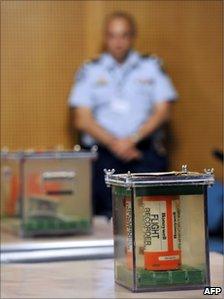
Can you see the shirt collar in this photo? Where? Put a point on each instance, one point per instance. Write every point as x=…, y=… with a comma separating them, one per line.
x=131, y=61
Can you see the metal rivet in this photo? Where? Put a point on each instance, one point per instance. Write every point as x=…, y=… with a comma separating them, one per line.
x=94, y=148
x=209, y=171
x=184, y=168
x=77, y=148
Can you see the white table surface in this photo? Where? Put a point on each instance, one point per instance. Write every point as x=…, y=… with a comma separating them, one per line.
x=83, y=279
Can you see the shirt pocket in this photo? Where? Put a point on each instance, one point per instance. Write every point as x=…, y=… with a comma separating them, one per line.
x=101, y=96
x=144, y=86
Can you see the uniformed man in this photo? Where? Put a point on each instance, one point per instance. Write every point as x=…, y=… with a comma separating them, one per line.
x=120, y=101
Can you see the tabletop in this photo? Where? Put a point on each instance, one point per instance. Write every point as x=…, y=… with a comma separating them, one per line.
x=84, y=279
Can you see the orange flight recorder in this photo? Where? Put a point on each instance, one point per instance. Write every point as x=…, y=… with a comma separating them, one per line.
x=161, y=229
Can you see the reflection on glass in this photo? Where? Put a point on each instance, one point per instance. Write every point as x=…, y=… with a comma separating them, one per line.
x=123, y=237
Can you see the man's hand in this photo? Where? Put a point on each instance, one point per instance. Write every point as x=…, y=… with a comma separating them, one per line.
x=122, y=148
x=125, y=149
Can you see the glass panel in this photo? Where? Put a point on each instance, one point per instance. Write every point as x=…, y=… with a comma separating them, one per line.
x=170, y=240
x=192, y=231
x=123, y=238
x=56, y=196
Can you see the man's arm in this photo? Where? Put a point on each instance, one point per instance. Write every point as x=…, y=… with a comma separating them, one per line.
x=84, y=121
x=160, y=115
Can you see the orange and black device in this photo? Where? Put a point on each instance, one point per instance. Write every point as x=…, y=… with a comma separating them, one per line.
x=161, y=230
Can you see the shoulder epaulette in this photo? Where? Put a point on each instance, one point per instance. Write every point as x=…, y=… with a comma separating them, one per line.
x=152, y=56
x=94, y=60
x=157, y=59
x=145, y=56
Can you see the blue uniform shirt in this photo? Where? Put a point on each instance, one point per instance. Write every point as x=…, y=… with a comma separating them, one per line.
x=121, y=96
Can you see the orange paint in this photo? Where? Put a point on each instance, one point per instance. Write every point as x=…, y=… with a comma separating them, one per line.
x=13, y=196
x=36, y=186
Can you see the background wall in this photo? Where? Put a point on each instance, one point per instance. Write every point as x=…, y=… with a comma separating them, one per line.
x=44, y=42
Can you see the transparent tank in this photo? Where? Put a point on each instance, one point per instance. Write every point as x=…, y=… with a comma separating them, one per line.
x=51, y=192
x=160, y=230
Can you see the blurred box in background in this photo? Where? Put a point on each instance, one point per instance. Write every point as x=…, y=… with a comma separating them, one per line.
x=46, y=193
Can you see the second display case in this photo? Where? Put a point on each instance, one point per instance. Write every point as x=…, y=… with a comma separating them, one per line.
x=46, y=193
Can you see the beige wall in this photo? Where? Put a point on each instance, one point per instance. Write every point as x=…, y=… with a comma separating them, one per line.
x=44, y=42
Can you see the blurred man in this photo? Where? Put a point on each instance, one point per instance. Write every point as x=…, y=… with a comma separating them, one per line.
x=120, y=101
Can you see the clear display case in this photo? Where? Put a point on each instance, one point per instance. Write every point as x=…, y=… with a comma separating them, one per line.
x=160, y=229
x=44, y=193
